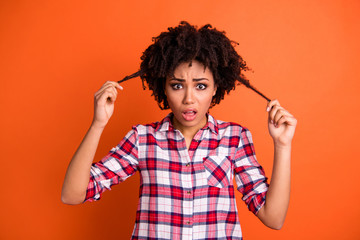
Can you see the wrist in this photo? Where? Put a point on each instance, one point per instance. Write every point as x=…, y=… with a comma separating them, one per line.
x=282, y=153
x=97, y=126
x=282, y=146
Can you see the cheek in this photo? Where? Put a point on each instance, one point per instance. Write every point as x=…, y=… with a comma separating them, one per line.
x=172, y=99
x=207, y=99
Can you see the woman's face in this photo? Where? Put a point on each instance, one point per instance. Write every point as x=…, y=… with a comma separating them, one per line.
x=189, y=94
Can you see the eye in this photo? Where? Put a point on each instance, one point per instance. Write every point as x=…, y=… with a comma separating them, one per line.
x=201, y=86
x=176, y=86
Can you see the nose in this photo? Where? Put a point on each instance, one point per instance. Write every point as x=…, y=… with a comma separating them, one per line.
x=188, y=97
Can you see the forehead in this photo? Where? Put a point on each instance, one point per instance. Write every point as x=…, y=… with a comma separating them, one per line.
x=192, y=69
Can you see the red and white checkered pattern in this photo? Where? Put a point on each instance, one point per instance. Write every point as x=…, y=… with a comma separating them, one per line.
x=185, y=194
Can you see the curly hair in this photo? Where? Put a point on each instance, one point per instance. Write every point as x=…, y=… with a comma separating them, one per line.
x=185, y=43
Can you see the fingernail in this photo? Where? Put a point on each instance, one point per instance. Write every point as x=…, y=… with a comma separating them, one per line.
x=272, y=121
x=268, y=109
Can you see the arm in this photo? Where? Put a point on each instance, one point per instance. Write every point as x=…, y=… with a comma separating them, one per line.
x=281, y=128
x=78, y=172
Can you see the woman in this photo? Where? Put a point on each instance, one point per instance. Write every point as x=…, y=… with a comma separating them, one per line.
x=188, y=160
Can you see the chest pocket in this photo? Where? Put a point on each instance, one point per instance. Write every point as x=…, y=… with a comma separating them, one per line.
x=218, y=170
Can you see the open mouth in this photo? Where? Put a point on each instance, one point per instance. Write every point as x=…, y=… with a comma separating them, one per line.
x=189, y=115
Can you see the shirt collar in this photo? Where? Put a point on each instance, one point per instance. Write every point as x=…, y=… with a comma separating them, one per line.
x=212, y=124
x=166, y=125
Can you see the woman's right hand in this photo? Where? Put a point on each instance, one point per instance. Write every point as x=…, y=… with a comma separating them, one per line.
x=104, y=100
x=78, y=173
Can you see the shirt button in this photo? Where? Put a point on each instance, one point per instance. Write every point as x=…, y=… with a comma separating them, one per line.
x=188, y=222
x=188, y=164
x=188, y=192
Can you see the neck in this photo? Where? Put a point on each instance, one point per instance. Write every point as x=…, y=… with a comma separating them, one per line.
x=188, y=132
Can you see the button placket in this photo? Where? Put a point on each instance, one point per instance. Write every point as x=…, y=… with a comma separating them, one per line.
x=185, y=156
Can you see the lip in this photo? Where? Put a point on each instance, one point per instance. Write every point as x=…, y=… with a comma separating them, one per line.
x=189, y=114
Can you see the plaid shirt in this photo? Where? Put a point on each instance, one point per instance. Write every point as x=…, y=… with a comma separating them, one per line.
x=185, y=193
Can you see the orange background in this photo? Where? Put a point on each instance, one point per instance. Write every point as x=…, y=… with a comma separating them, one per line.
x=56, y=54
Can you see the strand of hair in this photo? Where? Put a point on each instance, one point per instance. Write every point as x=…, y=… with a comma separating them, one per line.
x=257, y=91
x=247, y=84
x=134, y=75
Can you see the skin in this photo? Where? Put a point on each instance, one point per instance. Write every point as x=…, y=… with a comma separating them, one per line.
x=190, y=87
x=281, y=125
x=78, y=173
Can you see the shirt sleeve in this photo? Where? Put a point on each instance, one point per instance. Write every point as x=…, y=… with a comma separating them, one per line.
x=119, y=164
x=250, y=176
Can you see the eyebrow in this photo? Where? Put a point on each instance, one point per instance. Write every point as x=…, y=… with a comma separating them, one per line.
x=183, y=80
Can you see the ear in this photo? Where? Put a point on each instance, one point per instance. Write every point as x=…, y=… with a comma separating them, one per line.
x=215, y=88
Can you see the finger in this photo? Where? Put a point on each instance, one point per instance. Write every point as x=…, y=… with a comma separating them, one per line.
x=108, y=87
x=111, y=93
x=111, y=98
x=118, y=86
x=289, y=120
x=113, y=90
x=271, y=104
x=102, y=89
x=279, y=113
x=105, y=85
x=273, y=112
x=115, y=85
x=107, y=96
x=110, y=84
x=277, y=116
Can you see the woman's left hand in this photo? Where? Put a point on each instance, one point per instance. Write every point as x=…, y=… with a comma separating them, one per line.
x=281, y=124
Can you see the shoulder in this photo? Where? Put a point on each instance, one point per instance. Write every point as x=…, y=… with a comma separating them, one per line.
x=234, y=132
x=234, y=127
x=146, y=128
x=152, y=128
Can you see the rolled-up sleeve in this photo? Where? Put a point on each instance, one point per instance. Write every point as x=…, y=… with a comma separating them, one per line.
x=119, y=164
x=250, y=176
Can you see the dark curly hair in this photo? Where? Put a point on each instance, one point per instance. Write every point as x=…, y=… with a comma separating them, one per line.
x=185, y=43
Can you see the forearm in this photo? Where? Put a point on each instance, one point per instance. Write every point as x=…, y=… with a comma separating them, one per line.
x=78, y=172
x=274, y=211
